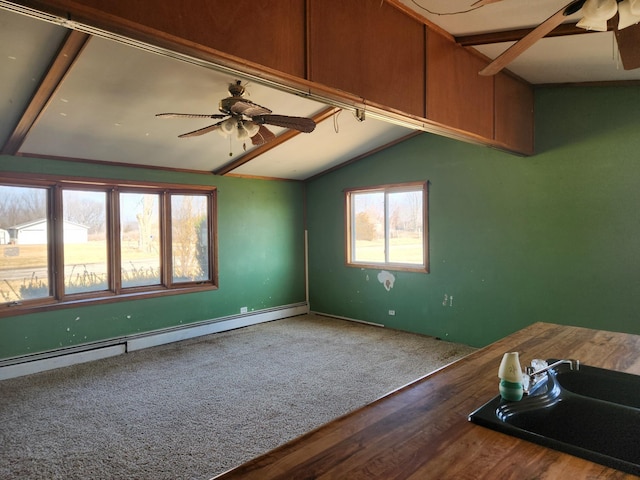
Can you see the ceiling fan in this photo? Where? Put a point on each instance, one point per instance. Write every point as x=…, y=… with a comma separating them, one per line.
x=596, y=15
x=244, y=119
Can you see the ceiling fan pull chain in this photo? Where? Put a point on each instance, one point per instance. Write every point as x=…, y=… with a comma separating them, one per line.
x=615, y=54
x=336, y=127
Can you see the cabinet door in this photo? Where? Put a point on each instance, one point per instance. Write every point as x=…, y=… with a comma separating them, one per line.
x=268, y=32
x=514, y=114
x=456, y=95
x=370, y=50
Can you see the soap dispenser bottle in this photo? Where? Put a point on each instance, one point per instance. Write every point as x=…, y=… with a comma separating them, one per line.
x=510, y=374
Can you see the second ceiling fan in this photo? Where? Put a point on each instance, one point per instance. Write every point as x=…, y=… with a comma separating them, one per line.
x=597, y=14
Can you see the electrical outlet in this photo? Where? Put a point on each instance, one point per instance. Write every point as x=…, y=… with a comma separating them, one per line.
x=392, y=312
x=243, y=309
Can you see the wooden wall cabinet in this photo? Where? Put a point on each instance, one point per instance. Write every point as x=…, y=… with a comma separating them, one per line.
x=456, y=95
x=368, y=49
x=366, y=52
x=514, y=120
x=267, y=32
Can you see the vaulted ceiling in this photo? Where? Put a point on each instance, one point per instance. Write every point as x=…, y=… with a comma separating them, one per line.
x=103, y=103
x=73, y=95
x=575, y=55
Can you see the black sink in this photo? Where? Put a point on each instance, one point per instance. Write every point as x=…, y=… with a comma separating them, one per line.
x=592, y=413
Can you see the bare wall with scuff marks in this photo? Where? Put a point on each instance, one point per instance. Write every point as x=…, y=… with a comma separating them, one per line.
x=260, y=256
x=513, y=240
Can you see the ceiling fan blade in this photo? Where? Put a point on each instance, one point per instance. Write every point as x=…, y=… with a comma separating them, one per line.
x=250, y=109
x=628, y=40
x=201, y=131
x=264, y=135
x=532, y=37
x=189, y=115
x=302, y=124
x=482, y=3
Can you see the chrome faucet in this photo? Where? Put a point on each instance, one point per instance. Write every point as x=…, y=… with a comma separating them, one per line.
x=532, y=376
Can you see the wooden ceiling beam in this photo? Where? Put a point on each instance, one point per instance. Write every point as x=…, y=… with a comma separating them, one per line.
x=515, y=35
x=279, y=140
x=69, y=51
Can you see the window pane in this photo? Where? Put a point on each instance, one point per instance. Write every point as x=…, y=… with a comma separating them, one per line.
x=24, y=263
x=189, y=238
x=85, y=241
x=368, y=227
x=139, y=239
x=406, y=243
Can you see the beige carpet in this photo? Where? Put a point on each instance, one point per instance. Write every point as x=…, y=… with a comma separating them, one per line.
x=196, y=408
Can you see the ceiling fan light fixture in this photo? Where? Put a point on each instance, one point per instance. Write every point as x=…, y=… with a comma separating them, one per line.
x=241, y=133
x=600, y=9
x=629, y=12
x=592, y=24
x=634, y=5
x=227, y=127
x=596, y=13
x=251, y=127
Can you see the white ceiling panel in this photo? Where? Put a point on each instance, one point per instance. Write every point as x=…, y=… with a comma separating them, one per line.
x=342, y=138
x=105, y=110
x=26, y=49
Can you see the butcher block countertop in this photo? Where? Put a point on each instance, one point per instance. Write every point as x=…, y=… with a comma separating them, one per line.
x=421, y=431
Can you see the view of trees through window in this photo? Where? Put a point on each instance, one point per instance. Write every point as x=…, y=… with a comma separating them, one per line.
x=101, y=228
x=84, y=235
x=140, y=239
x=387, y=225
x=189, y=237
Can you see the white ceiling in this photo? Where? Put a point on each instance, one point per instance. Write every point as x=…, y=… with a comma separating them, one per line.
x=105, y=107
x=591, y=57
x=104, y=110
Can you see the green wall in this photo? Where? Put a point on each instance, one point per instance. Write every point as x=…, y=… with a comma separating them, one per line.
x=260, y=257
x=554, y=237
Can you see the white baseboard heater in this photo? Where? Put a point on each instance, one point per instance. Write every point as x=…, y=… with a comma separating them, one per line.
x=86, y=353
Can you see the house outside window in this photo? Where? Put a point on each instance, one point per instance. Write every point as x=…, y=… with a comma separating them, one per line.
x=63, y=242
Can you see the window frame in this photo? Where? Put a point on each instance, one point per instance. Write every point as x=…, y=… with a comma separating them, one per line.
x=350, y=223
x=115, y=291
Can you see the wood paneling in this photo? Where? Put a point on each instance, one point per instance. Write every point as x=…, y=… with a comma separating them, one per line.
x=362, y=52
x=369, y=49
x=514, y=113
x=267, y=32
x=456, y=95
x=421, y=431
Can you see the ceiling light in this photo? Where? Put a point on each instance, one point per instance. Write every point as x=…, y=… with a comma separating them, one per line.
x=241, y=129
x=629, y=11
x=227, y=127
x=596, y=13
x=251, y=127
x=246, y=129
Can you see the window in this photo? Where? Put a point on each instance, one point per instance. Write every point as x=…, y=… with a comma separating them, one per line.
x=24, y=243
x=140, y=239
x=64, y=241
x=189, y=238
x=84, y=237
x=387, y=227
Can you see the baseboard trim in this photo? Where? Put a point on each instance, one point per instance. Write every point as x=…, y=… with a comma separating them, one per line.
x=156, y=339
x=81, y=354
x=35, y=366
x=347, y=318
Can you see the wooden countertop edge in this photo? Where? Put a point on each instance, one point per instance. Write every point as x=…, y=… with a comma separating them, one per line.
x=441, y=401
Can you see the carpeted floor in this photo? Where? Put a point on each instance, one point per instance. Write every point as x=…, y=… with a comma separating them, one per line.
x=193, y=409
